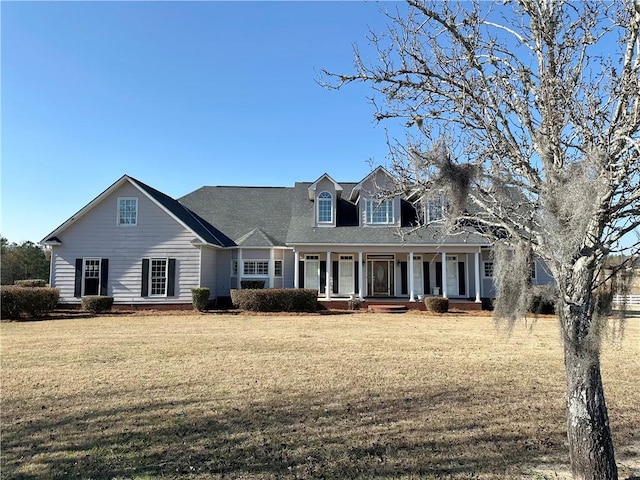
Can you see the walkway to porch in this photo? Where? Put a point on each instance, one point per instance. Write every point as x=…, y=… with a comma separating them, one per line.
x=379, y=304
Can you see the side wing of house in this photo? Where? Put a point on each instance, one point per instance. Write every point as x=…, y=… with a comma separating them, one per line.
x=126, y=245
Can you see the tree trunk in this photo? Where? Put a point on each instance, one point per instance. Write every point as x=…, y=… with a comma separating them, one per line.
x=588, y=431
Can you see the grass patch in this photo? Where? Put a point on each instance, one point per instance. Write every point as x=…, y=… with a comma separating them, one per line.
x=354, y=396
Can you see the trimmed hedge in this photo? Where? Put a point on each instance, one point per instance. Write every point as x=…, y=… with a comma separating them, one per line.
x=32, y=301
x=437, y=304
x=276, y=300
x=31, y=282
x=96, y=303
x=252, y=284
x=200, y=298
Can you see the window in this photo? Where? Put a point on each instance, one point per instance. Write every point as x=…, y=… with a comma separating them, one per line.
x=91, y=276
x=488, y=269
x=435, y=209
x=533, y=270
x=128, y=211
x=380, y=212
x=158, y=277
x=325, y=208
x=234, y=267
x=255, y=267
x=277, y=268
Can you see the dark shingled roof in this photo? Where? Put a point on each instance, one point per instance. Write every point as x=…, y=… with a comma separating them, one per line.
x=204, y=229
x=279, y=216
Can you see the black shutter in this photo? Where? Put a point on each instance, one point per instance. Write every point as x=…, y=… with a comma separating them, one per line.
x=356, y=277
x=77, y=286
x=336, y=273
x=426, y=278
x=301, y=274
x=171, y=278
x=439, y=276
x=461, y=280
x=145, y=278
x=104, y=275
x=323, y=276
x=404, y=289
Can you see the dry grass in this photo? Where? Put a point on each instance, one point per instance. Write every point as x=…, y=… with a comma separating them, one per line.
x=353, y=396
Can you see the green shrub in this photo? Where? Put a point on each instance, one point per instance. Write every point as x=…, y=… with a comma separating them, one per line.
x=32, y=301
x=543, y=301
x=252, y=284
x=276, y=300
x=32, y=282
x=97, y=303
x=437, y=304
x=200, y=298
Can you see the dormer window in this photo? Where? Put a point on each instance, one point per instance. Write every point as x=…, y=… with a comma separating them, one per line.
x=435, y=208
x=379, y=211
x=325, y=208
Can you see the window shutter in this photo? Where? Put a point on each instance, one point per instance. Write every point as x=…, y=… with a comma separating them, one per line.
x=104, y=275
x=427, y=278
x=336, y=280
x=356, y=278
x=77, y=286
x=461, y=280
x=171, y=278
x=145, y=278
x=403, y=278
x=301, y=274
x=439, y=275
x=323, y=276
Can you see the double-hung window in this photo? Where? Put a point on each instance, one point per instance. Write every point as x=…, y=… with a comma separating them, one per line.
x=325, y=208
x=379, y=212
x=488, y=269
x=127, y=211
x=158, y=277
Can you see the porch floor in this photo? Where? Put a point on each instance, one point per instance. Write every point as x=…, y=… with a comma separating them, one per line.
x=378, y=304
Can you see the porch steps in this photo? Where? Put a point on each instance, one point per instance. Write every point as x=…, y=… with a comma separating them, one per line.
x=387, y=308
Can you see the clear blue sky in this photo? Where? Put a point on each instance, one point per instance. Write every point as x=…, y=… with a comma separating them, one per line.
x=178, y=95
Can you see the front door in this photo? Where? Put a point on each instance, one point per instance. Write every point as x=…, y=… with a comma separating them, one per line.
x=380, y=272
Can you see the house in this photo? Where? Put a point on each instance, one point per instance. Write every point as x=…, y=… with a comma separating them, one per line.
x=141, y=246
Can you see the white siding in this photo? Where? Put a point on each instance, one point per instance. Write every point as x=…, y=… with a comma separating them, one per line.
x=157, y=234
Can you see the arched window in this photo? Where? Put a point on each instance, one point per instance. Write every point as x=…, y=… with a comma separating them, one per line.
x=325, y=208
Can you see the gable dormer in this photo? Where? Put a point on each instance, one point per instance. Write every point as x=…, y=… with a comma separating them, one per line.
x=375, y=205
x=325, y=193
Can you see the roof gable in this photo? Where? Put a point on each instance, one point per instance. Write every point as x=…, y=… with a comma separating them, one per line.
x=314, y=186
x=376, y=177
x=204, y=232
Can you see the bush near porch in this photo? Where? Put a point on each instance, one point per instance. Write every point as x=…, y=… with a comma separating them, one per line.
x=276, y=300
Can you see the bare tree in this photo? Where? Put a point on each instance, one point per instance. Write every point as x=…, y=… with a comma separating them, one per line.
x=527, y=113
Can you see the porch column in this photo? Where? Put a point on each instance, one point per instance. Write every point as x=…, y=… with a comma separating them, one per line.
x=296, y=269
x=444, y=275
x=240, y=268
x=360, y=279
x=272, y=268
x=477, y=255
x=327, y=285
x=412, y=297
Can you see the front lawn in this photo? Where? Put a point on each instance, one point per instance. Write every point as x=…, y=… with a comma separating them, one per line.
x=265, y=397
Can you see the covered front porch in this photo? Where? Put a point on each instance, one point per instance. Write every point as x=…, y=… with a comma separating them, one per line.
x=453, y=273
